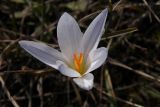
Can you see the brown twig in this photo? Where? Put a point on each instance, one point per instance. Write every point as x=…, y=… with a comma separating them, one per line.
x=139, y=72
x=119, y=99
x=15, y=104
x=150, y=9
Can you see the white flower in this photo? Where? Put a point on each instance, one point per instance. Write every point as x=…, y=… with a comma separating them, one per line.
x=79, y=53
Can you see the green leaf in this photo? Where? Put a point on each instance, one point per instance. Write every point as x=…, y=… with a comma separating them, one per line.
x=77, y=5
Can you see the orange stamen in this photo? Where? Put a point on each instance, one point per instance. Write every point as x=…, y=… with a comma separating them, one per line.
x=78, y=60
x=81, y=58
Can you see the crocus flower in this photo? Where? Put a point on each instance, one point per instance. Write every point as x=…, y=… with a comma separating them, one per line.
x=79, y=53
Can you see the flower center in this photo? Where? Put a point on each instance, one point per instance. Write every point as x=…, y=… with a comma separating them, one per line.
x=78, y=60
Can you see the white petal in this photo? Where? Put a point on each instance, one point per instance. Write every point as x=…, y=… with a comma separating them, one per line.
x=65, y=70
x=97, y=58
x=42, y=52
x=69, y=35
x=85, y=82
x=94, y=32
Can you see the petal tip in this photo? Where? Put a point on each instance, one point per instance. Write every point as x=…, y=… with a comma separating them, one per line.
x=105, y=12
x=85, y=82
x=65, y=15
x=22, y=42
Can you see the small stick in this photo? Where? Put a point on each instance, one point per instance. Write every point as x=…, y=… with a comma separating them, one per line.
x=150, y=9
x=15, y=104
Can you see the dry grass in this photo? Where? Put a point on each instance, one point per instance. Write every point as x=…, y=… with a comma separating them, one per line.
x=129, y=78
